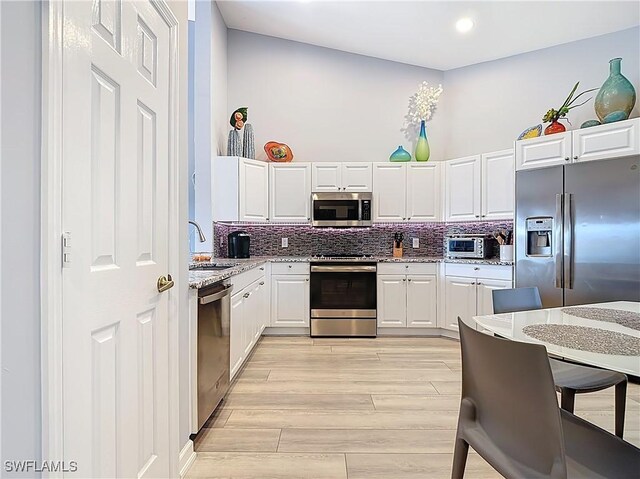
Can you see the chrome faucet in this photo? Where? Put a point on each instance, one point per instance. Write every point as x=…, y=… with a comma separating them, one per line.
x=200, y=234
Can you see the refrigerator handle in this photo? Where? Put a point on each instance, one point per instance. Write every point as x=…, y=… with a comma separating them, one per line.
x=557, y=240
x=567, y=241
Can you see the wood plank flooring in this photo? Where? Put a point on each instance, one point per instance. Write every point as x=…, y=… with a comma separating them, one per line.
x=353, y=408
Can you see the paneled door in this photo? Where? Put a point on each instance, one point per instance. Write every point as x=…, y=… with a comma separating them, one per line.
x=118, y=145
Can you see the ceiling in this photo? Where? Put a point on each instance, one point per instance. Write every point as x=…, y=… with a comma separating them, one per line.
x=424, y=33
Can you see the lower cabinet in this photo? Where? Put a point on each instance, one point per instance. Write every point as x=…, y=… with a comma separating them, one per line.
x=290, y=300
x=406, y=300
x=247, y=322
x=468, y=296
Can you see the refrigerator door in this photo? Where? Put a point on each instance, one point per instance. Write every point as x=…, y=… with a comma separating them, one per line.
x=602, y=228
x=539, y=197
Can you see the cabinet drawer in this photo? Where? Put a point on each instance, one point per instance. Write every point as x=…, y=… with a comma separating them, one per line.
x=407, y=268
x=290, y=268
x=243, y=280
x=488, y=271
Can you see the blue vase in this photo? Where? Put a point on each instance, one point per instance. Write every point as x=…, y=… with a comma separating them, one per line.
x=400, y=155
x=616, y=95
x=422, y=147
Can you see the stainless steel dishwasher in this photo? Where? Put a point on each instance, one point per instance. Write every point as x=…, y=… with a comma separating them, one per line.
x=214, y=315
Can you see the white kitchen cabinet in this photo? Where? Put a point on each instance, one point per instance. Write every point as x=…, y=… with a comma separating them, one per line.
x=357, y=176
x=290, y=300
x=421, y=301
x=468, y=288
x=611, y=140
x=392, y=301
x=498, y=185
x=239, y=189
x=460, y=300
x=236, y=334
x=347, y=177
x=485, y=288
x=389, y=197
x=548, y=150
x=290, y=192
x=423, y=192
x=462, y=189
x=407, y=295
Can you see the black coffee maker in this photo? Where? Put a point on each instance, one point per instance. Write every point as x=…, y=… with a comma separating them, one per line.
x=238, y=243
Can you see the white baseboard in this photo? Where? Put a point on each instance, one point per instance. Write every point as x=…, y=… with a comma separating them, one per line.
x=186, y=458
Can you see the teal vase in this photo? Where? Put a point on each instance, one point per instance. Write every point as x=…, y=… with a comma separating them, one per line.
x=422, y=147
x=400, y=155
x=616, y=95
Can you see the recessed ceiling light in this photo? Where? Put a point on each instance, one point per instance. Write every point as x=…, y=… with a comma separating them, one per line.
x=464, y=25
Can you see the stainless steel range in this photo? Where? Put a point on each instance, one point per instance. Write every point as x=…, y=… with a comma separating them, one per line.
x=343, y=296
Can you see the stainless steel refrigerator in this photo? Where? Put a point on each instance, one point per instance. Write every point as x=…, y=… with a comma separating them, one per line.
x=578, y=231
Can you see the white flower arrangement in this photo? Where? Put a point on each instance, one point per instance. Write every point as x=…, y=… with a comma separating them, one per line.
x=423, y=103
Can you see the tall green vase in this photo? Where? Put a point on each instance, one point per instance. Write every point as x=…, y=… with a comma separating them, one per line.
x=422, y=147
x=616, y=96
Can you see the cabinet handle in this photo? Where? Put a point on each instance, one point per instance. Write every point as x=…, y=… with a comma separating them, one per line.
x=261, y=283
x=246, y=295
x=404, y=279
x=290, y=266
x=409, y=279
x=261, y=268
x=575, y=157
x=479, y=282
x=406, y=267
x=476, y=269
x=473, y=283
x=306, y=279
x=567, y=158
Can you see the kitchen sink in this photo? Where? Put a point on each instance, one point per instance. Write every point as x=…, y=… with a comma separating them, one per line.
x=210, y=267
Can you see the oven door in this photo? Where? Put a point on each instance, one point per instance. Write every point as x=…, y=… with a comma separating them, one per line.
x=343, y=291
x=462, y=248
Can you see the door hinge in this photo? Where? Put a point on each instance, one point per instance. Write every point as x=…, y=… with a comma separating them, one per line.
x=66, y=249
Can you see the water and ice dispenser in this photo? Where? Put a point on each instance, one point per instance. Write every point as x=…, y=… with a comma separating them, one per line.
x=540, y=236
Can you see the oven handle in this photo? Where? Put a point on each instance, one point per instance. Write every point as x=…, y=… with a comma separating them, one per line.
x=343, y=269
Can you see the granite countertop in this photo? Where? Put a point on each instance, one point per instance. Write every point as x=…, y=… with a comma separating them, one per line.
x=199, y=277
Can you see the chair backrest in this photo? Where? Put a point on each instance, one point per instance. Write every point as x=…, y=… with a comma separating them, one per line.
x=517, y=299
x=508, y=388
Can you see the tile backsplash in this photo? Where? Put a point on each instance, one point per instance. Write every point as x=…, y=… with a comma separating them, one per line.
x=377, y=240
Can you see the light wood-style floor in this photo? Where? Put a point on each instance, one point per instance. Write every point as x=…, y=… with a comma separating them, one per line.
x=353, y=408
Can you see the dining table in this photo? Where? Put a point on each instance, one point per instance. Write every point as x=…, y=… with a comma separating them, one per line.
x=605, y=335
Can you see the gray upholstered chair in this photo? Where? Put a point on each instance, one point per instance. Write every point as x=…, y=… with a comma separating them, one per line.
x=570, y=379
x=509, y=414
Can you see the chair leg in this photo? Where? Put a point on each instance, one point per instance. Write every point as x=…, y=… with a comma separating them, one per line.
x=621, y=399
x=459, y=459
x=567, y=399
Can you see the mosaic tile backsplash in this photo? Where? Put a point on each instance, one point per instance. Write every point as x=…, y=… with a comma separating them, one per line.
x=377, y=240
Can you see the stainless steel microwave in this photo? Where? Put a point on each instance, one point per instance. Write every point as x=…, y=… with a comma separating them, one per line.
x=467, y=246
x=341, y=209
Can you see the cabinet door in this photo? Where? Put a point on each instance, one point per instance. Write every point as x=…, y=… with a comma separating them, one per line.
x=290, y=192
x=607, y=141
x=498, y=185
x=357, y=177
x=236, y=351
x=250, y=313
x=389, y=199
x=421, y=301
x=254, y=190
x=423, y=192
x=326, y=177
x=261, y=309
x=485, y=296
x=543, y=151
x=460, y=300
x=462, y=189
x=290, y=300
x=392, y=301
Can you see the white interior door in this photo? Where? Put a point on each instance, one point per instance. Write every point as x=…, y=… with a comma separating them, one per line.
x=117, y=135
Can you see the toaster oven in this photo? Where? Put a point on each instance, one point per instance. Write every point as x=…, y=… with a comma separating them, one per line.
x=467, y=246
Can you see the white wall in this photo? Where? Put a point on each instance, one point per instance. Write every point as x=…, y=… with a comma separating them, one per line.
x=20, y=40
x=488, y=105
x=325, y=104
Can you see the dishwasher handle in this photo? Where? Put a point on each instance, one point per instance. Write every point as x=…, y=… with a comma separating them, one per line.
x=216, y=296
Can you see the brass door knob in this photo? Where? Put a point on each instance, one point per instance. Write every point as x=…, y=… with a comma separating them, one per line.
x=165, y=283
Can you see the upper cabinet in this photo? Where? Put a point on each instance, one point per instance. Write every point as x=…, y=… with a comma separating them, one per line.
x=498, y=185
x=480, y=187
x=598, y=142
x=406, y=192
x=348, y=177
x=239, y=189
x=290, y=192
x=462, y=189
